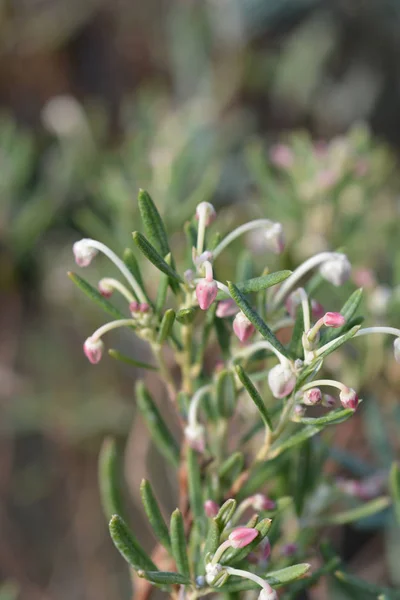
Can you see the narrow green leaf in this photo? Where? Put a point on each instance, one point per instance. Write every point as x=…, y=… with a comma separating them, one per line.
x=296, y=343
x=348, y=310
x=153, y=225
x=297, y=438
x=178, y=543
x=164, y=577
x=235, y=555
x=95, y=295
x=195, y=490
x=225, y=513
x=332, y=418
x=186, y=316
x=154, y=257
x=309, y=373
x=162, y=289
x=154, y=515
x=223, y=334
x=262, y=283
x=213, y=537
x=340, y=341
x=225, y=393
x=360, y=585
x=244, y=266
x=128, y=545
x=355, y=514
x=394, y=481
x=254, y=395
x=287, y=575
x=166, y=325
x=109, y=478
x=159, y=432
x=312, y=579
x=130, y=361
x=255, y=319
x=232, y=466
x=131, y=262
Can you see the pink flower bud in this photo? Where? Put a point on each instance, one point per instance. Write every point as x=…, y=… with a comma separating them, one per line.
x=134, y=307
x=396, y=349
x=226, y=308
x=337, y=270
x=206, y=292
x=349, y=398
x=289, y=549
x=298, y=412
x=242, y=327
x=317, y=310
x=333, y=319
x=209, y=210
x=281, y=380
x=312, y=396
x=262, y=502
x=242, y=536
x=364, y=278
x=93, y=349
x=105, y=289
x=144, y=307
x=211, y=508
x=83, y=252
x=268, y=594
x=281, y=156
x=275, y=238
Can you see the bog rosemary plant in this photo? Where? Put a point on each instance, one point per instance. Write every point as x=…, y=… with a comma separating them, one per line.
x=252, y=494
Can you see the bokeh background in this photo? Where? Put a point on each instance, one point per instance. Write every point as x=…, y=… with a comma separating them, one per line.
x=185, y=98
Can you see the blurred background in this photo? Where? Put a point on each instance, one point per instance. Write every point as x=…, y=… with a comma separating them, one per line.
x=285, y=108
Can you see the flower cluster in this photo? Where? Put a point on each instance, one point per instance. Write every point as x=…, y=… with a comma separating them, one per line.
x=251, y=319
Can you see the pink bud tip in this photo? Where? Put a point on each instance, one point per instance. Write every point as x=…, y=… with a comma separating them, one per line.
x=144, y=307
x=349, y=398
x=134, y=306
x=83, y=252
x=206, y=292
x=209, y=210
x=93, y=350
x=226, y=308
x=242, y=536
x=105, y=289
x=211, y=508
x=242, y=327
x=281, y=156
x=312, y=396
x=333, y=319
x=281, y=380
x=262, y=502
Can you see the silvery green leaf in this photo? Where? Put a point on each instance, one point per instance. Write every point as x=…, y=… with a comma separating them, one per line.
x=226, y=512
x=166, y=325
x=154, y=257
x=225, y=394
x=153, y=225
x=255, y=319
x=186, y=316
x=164, y=577
x=109, y=478
x=95, y=295
x=130, y=361
x=257, y=284
x=128, y=546
x=288, y=574
x=195, y=489
x=355, y=514
x=178, y=543
x=159, y=432
x=394, y=482
x=154, y=515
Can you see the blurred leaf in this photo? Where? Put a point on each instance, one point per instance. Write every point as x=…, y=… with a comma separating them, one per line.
x=178, y=543
x=297, y=438
x=130, y=361
x=232, y=466
x=355, y=514
x=153, y=225
x=195, y=490
x=162, y=289
x=359, y=585
x=133, y=266
x=287, y=575
x=213, y=537
x=296, y=342
x=154, y=515
x=394, y=481
x=225, y=394
x=128, y=546
x=223, y=336
x=110, y=478
x=255, y=319
x=95, y=295
x=186, y=316
x=254, y=395
x=262, y=283
x=159, y=432
x=225, y=513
